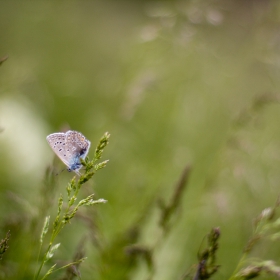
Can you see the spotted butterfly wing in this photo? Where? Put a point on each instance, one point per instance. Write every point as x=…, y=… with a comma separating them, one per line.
x=78, y=146
x=69, y=147
x=57, y=143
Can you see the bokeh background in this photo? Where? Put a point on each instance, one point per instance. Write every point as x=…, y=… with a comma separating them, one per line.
x=176, y=84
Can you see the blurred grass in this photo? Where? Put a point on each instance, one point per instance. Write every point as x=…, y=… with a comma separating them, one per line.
x=174, y=83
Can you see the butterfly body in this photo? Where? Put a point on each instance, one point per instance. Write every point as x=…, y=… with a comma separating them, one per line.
x=69, y=147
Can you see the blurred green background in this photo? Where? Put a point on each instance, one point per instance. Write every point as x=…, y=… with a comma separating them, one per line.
x=175, y=83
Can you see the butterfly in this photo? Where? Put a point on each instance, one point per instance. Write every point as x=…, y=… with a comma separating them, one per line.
x=70, y=147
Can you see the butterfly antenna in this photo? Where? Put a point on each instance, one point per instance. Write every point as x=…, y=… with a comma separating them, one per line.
x=59, y=172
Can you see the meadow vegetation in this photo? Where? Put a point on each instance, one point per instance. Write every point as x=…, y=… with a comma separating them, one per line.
x=189, y=92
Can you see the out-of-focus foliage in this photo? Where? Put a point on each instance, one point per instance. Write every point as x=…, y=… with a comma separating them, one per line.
x=176, y=83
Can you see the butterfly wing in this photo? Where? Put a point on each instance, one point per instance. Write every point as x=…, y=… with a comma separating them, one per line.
x=78, y=144
x=69, y=147
x=58, y=145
